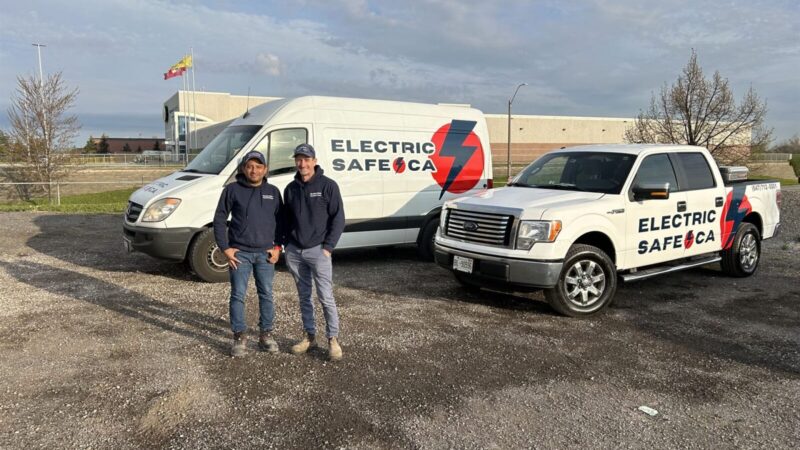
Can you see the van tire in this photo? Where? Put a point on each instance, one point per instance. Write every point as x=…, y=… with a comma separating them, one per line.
x=600, y=275
x=425, y=242
x=741, y=259
x=205, y=258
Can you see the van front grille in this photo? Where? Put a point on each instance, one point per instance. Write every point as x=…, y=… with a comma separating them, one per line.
x=133, y=211
x=479, y=227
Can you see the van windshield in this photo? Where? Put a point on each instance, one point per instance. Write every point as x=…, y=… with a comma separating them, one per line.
x=222, y=149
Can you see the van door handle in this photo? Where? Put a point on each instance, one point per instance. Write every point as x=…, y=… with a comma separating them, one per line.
x=681, y=206
x=719, y=201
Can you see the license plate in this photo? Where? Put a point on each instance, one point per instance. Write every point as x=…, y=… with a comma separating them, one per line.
x=462, y=264
x=127, y=244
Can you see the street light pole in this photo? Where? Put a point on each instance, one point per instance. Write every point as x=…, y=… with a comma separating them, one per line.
x=39, y=51
x=508, y=149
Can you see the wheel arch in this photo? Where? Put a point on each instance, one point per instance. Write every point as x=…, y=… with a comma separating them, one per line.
x=600, y=240
x=755, y=219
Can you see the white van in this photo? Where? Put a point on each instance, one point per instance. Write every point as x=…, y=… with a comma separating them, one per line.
x=395, y=163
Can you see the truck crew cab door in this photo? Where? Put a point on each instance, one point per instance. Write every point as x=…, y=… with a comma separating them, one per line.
x=705, y=197
x=651, y=237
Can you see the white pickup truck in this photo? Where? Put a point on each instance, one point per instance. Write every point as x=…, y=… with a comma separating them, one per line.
x=579, y=218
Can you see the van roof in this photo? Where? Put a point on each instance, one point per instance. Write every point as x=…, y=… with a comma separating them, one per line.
x=261, y=114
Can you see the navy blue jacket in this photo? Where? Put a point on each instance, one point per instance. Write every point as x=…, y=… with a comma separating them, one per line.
x=255, y=216
x=314, y=212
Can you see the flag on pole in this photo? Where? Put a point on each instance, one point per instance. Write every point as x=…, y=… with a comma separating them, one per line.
x=174, y=72
x=179, y=68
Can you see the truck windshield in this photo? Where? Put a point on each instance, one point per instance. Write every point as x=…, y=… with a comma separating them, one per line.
x=222, y=149
x=579, y=171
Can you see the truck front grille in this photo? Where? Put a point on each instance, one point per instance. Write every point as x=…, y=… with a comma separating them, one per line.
x=133, y=211
x=479, y=227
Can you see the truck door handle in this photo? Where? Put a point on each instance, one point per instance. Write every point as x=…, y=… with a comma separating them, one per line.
x=681, y=206
x=719, y=201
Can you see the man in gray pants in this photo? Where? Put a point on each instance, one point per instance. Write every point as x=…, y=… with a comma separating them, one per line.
x=314, y=216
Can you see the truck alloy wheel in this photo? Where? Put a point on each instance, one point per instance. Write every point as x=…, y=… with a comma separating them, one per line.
x=587, y=282
x=741, y=259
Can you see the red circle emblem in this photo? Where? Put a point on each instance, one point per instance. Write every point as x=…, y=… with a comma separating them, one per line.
x=399, y=165
x=458, y=157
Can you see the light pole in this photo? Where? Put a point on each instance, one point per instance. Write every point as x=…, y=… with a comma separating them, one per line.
x=510, y=101
x=39, y=51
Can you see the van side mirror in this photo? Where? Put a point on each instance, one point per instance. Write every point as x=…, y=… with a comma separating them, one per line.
x=651, y=191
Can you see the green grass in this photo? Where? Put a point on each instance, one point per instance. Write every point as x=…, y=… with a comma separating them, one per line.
x=784, y=181
x=95, y=203
x=500, y=180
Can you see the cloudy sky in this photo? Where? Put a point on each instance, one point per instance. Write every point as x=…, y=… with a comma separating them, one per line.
x=580, y=58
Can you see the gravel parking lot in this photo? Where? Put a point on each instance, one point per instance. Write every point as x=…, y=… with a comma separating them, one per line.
x=103, y=349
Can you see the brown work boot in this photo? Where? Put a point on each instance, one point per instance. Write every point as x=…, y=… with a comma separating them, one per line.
x=334, y=350
x=266, y=343
x=239, y=347
x=303, y=346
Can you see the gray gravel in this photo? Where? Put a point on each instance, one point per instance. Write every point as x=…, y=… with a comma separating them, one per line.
x=102, y=349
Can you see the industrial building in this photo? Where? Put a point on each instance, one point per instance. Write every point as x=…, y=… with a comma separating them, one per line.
x=207, y=113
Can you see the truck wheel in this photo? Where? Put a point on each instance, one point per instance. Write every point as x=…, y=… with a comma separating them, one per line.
x=741, y=259
x=587, y=282
x=426, y=240
x=206, y=260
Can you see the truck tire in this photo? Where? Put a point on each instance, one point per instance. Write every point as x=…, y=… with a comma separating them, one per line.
x=426, y=241
x=587, y=282
x=741, y=259
x=205, y=258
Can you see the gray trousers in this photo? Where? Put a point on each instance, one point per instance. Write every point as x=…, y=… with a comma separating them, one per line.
x=310, y=264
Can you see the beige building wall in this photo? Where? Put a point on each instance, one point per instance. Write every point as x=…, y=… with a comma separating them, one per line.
x=209, y=109
x=532, y=136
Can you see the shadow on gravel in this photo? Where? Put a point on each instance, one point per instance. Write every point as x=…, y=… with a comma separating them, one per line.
x=191, y=324
x=95, y=241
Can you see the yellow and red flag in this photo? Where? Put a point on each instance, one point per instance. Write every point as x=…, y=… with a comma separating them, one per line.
x=179, y=68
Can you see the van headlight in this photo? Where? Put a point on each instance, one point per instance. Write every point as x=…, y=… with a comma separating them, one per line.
x=532, y=231
x=160, y=210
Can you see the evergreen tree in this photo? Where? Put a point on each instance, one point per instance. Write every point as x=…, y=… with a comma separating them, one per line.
x=102, y=147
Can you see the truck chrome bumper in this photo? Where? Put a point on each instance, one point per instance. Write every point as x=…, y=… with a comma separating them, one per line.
x=489, y=269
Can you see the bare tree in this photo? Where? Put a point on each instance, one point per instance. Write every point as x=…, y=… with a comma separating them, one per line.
x=41, y=129
x=703, y=112
x=791, y=145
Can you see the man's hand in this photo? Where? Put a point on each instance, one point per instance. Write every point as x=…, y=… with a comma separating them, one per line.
x=326, y=253
x=274, y=254
x=230, y=253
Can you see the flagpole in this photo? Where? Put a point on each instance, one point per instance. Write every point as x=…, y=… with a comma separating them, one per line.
x=194, y=102
x=185, y=107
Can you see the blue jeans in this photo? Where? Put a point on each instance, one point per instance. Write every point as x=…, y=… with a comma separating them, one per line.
x=307, y=265
x=264, y=272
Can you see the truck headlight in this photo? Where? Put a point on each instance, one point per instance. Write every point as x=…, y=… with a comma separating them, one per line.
x=532, y=231
x=160, y=210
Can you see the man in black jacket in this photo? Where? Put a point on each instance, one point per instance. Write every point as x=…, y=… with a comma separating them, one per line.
x=314, y=222
x=250, y=244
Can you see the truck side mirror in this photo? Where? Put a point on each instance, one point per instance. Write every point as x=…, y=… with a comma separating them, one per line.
x=651, y=191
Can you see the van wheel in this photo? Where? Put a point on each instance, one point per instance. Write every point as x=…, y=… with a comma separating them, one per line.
x=587, y=282
x=741, y=259
x=206, y=260
x=426, y=240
